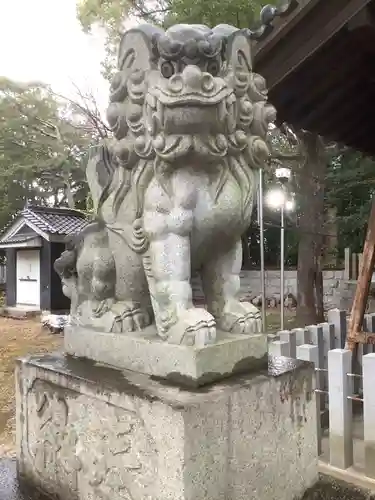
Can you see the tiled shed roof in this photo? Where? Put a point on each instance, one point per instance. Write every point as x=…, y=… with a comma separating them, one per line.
x=52, y=221
x=60, y=221
x=20, y=238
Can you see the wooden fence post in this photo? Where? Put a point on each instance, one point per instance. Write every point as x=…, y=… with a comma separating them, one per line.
x=340, y=408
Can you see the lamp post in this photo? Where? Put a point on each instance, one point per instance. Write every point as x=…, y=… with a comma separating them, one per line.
x=261, y=237
x=277, y=199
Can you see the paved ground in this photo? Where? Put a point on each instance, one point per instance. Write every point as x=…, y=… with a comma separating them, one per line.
x=9, y=488
x=17, y=338
x=330, y=489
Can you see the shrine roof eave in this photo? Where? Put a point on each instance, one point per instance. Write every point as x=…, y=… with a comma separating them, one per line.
x=318, y=65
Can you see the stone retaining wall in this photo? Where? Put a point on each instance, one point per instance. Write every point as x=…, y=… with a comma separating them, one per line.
x=251, y=287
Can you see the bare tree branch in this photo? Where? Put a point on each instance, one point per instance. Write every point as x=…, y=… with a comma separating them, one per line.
x=93, y=116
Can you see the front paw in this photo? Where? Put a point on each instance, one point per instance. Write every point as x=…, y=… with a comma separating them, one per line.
x=100, y=307
x=129, y=317
x=194, y=327
x=240, y=318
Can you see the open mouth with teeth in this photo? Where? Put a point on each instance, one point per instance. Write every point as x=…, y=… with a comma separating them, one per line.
x=189, y=98
x=191, y=113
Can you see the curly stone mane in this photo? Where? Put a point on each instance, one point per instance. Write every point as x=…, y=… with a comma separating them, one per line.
x=65, y=265
x=147, y=88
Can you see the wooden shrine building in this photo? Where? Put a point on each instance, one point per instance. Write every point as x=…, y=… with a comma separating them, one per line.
x=318, y=61
x=319, y=65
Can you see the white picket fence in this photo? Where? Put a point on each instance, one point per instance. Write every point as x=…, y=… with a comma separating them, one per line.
x=336, y=384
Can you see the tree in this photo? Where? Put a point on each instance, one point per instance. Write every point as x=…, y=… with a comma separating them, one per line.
x=240, y=13
x=315, y=218
x=111, y=16
x=310, y=179
x=350, y=187
x=44, y=141
x=308, y=153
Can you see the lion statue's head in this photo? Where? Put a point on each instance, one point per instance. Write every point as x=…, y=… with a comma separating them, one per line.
x=189, y=90
x=185, y=96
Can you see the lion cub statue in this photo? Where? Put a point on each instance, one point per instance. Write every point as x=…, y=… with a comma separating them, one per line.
x=173, y=190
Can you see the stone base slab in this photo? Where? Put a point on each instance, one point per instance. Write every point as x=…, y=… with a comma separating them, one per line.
x=184, y=365
x=88, y=432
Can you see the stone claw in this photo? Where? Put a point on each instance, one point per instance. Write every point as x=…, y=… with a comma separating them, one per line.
x=195, y=327
x=240, y=318
x=130, y=317
x=101, y=307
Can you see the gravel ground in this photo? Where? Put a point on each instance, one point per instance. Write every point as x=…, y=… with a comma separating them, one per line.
x=17, y=338
x=330, y=489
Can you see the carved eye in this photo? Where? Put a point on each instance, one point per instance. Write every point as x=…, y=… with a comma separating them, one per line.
x=213, y=67
x=167, y=69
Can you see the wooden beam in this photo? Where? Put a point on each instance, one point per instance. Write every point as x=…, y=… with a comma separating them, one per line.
x=311, y=84
x=322, y=23
x=364, y=20
x=282, y=26
x=346, y=110
x=361, y=131
x=354, y=122
x=338, y=97
x=347, y=118
x=363, y=284
x=339, y=120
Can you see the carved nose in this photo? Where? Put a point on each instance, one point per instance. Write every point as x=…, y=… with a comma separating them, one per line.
x=196, y=80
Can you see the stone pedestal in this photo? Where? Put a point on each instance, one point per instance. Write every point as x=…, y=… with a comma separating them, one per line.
x=189, y=366
x=89, y=432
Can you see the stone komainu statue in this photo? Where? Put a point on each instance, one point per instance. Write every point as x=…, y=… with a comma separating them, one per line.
x=173, y=192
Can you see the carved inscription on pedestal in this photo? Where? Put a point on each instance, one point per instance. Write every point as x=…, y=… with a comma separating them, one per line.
x=87, y=445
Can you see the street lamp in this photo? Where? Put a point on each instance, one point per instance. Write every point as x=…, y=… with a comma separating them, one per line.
x=277, y=199
x=261, y=236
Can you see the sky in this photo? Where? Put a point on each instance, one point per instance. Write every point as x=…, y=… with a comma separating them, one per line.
x=42, y=40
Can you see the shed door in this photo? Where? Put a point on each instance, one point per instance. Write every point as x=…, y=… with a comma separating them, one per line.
x=28, y=277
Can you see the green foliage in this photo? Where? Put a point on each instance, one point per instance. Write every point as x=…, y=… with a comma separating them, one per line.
x=350, y=176
x=43, y=146
x=108, y=13
x=111, y=16
x=240, y=13
x=350, y=187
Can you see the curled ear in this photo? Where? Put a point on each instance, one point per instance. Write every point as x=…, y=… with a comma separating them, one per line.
x=136, y=48
x=239, y=51
x=136, y=56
